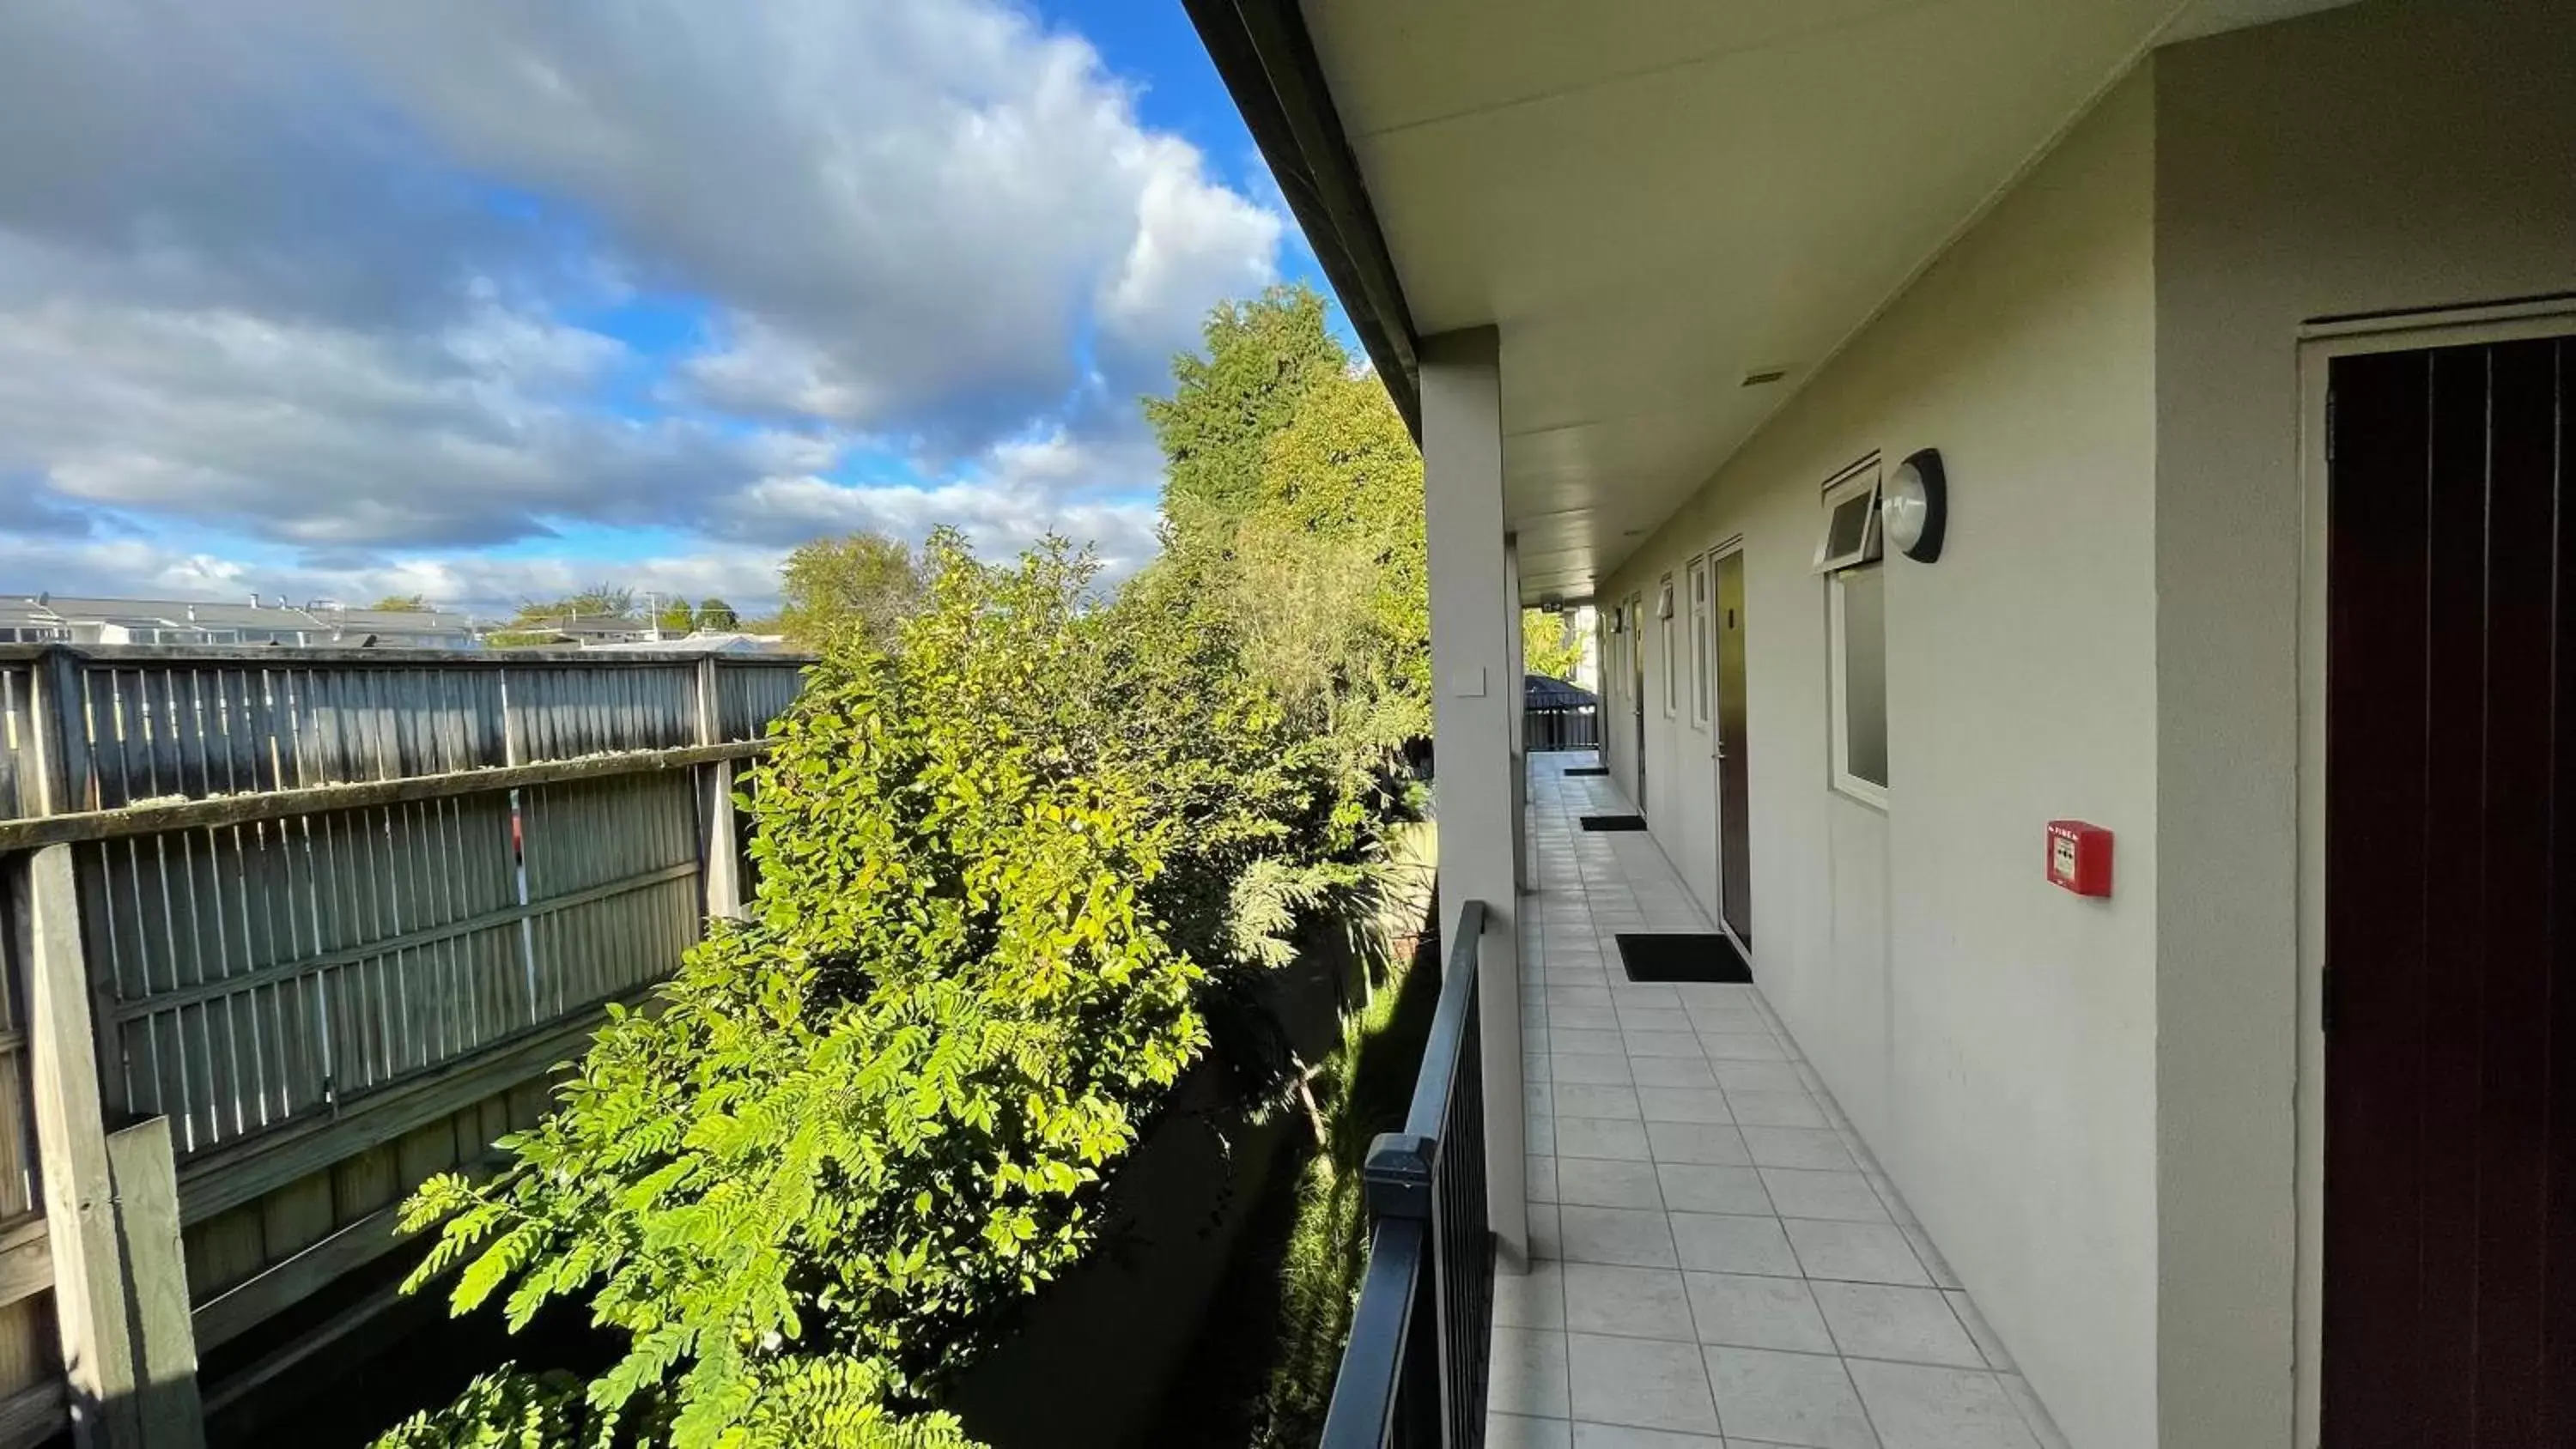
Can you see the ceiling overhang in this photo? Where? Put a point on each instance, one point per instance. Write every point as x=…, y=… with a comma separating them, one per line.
x=1653, y=201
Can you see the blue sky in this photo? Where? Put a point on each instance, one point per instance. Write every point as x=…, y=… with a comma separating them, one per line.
x=320, y=300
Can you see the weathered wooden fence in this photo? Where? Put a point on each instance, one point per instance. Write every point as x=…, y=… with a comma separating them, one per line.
x=321, y=921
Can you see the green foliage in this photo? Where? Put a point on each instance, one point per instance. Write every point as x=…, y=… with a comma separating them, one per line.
x=675, y=617
x=1021, y=850
x=1549, y=644
x=1365, y=1087
x=599, y=601
x=863, y=582
x=1262, y=358
x=1294, y=527
x=402, y=604
x=865, y=1120
x=715, y=613
x=508, y=1408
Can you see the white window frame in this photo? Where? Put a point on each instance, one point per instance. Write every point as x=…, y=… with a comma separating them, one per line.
x=1700, y=641
x=1837, y=650
x=1665, y=630
x=1622, y=639
x=1849, y=487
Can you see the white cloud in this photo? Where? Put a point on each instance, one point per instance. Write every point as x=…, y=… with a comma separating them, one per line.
x=1014, y=494
x=909, y=213
x=324, y=436
x=305, y=273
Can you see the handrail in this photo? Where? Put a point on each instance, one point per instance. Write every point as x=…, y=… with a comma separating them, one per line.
x=1448, y=1027
x=1413, y=1373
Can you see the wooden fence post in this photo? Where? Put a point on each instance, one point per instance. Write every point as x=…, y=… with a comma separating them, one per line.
x=146, y=1176
x=90, y=1282
x=720, y=853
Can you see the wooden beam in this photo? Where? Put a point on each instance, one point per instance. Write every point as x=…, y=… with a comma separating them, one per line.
x=259, y=977
x=154, y=817
x=227, y=1178
x=156, y=1265
x=33, y=1415
x=247, y=1304
x=90, y=1306
x=26, y=1260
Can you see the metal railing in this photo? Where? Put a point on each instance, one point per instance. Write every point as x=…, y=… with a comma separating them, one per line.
x=1413, y=1373
x=1561, y=727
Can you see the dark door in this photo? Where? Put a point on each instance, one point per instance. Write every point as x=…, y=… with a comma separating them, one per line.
x=2450, y=1079
x=1734, y=784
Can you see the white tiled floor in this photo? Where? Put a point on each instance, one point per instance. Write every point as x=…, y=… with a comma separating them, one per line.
x=1715, y=1251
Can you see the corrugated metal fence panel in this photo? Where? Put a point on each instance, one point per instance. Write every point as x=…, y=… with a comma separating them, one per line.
x=565, y=713
x=749, y=696
x=158, y=729
x=257, y=973
x=252, y=976
x=612, y=869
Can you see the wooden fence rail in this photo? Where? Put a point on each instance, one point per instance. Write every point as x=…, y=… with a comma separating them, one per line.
x=326, y=917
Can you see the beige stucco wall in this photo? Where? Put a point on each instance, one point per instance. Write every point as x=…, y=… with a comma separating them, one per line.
x=1992, y=1037
x=2384, y=157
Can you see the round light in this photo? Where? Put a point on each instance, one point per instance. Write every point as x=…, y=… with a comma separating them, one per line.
x=1913, y=506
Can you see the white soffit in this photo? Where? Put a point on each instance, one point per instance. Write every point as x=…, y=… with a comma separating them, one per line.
x=1653, y=197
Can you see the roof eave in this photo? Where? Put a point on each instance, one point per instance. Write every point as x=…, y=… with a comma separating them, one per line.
x=1267, y=60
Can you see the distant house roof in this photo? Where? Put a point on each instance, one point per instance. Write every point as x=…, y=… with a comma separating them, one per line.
x=704, y=642
x=333, y=623
x=590, y=627
x=1543, y=692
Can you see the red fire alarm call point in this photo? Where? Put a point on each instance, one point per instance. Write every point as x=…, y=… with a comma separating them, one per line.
x=2079, y=857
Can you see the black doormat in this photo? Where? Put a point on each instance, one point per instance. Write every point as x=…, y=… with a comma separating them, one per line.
x=1684, y=956
x=1588, y=770
x=1613, y=822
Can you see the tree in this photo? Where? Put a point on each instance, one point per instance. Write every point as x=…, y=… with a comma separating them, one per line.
x=715, y=613
x=675, y=616
x=866, y=1121
x=863, y=582
x=401, y=604
x=1025, y=855
x=599, y=601
x=1263, y=357
x=1549, y=644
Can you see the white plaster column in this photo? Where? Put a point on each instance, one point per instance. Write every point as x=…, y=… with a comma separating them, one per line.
x=1519, y=713
x=1476, y=697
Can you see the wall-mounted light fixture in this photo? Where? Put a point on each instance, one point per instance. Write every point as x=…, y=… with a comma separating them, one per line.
x=1914, y=506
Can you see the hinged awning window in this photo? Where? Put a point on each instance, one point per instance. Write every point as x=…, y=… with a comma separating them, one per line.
x=1851, y=520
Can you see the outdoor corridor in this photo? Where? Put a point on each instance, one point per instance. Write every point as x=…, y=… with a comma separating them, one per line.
x=1717, y=1258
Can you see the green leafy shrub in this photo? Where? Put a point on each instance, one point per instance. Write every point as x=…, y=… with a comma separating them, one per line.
x=507, y=1409
x=859, y=1123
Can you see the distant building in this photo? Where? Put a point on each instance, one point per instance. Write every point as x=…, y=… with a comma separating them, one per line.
x=704, y=641
x=63, y=618
x=578, y=631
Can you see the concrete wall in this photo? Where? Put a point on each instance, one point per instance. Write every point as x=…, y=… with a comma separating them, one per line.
x=2384, y=157
x=1992, y=1037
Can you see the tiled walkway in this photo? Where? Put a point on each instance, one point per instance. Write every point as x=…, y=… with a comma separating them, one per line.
x=1716, y=1253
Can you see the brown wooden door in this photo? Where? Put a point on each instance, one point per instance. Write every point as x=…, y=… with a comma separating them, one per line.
x=1734, y=779
x=2450, y=1078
